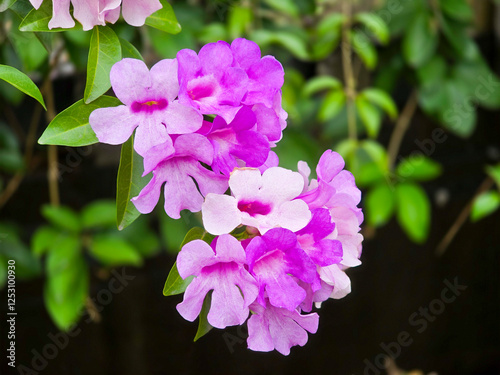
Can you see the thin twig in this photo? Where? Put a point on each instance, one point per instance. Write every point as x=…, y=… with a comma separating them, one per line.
x=15, y=181
x=350, y=83
x=462, y=217
x=401, y=127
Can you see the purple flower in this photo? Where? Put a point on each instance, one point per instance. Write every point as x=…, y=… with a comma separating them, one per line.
x=210, y=82
x=265, y=75
x=178, y=166
x=236, y=141
x=273, y=259
x=150, y=106
x=221, y=270
x=262, y=201
x=276, y=328
x=97, y=12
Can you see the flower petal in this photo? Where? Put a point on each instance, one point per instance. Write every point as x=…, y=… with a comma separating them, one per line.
x=113, y=125
x=220, y=214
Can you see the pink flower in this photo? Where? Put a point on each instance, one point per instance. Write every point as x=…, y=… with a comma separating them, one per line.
x=97, y=12
x=178, y=166
x=275, y=260
x=276, y=328
x=262, y=201
x=336, y=191
x=150, y=106
x=221, y=270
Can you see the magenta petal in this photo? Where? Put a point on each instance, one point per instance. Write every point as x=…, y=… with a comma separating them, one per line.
x=147, y=199
x=149, y=133
x=181, y=119
x=196, y=146
x=130, y=80
x=135, y=12
x=165, y=83
x=215, y=58
x=329, y=165
x=246, y=52
x=195, y=293
x=157, y=154
x=320, y=226
x=193, y=257
x=113, y=125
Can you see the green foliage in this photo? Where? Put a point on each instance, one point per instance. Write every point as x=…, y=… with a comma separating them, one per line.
x=21, y=82
x=112, y=251
x=419, y=168
x=62, y=217
x=71, y=127
x=203, y=325
x=129, y=183
x=485, y=204
x=11, y=159
x=164, y=19
x=380, y=204
x=413, y=211
x=38, y=19
x=105, y=51
x=421, y=40
x=175, y=284
x=99, y=214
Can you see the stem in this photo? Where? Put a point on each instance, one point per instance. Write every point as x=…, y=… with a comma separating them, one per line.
x=15, y=181
x=53, y=169
x=462, y=217
x=350, y=83
x=400, y=129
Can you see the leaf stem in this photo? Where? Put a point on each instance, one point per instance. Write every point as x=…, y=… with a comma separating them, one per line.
x=400, y=129
x=462, y=217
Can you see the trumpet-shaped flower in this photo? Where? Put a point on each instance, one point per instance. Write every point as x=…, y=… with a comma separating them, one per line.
x=221, y=270
x=97, y=12
x=263, y=201
x=149, y=105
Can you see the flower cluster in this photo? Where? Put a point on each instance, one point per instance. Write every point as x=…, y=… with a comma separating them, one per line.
x=304, y=235
x=166, y=107
x=204, y=123
x=97, y=12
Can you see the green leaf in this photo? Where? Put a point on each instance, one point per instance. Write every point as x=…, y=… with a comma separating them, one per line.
x=141, y=237
x=293, y=42
x=11, y=159
x=370, y=116
x=175, y=284
x=382, y=99
x=71, y=127
x=197, y=233
x=413, y=211
x=203, y=325
x=331, y=105
x=364, y=48
x=240, y=17
x=288, y=7
x=62, y=217
x=43, y=239
x=328, y=34
x=321, y=83
x=21, y=82
x=457, y=9
x=380, y=204
x=112, y=250
x=164, y=19
x=420, y=40
x=376, y=152
x=99, y=214
x=419, y=168
x=129, y=51
x=458, y=114
x=485, y=204
x=128, y=185
x=370, y=174
x=65, y=292
x=6, y=4
x=105, y=51
x=38, y=20
x=375, y=25
x=494, y=172
x=433, y=73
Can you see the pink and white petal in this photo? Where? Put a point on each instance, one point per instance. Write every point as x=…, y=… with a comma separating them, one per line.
x=148, y=198
x=165, y=83
x=113, y=125
x=272, y=161
x=293, y=215
x=196, y=146
x=259, y=338
x=157, y=154
x=245, y=183
x=193, y=257
x=112, y=15
x=220, y=214
x=284, y=292
x=181, y=119
x=36, y=3
x=281, y=185
x=135, y=12
x=149, y=133
x=305, y=171
x=268, y=122
x=285, y=332
x=229, y=249
x=87, y=13
x=210, y=182
x=130, y=80
x=194, y=295
x=60, y=15
x=330, y=164
x=333, y=275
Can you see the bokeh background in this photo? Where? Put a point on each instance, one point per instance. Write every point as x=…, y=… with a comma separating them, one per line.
x=420, y=80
